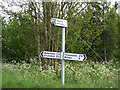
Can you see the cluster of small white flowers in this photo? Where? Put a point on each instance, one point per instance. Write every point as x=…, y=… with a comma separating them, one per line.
x=84, y=70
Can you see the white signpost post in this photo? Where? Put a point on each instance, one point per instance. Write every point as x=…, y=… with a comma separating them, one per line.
x=62, y=55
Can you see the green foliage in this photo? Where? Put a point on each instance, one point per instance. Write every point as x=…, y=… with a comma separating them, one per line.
x=18, y=39
x=109, y=35
x=96, y=24
x=90, y=75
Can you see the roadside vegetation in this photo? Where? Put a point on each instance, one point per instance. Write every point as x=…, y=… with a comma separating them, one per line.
x=89, y=75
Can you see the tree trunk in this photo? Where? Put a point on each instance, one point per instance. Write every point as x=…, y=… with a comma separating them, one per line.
x=45, y=29
x=53, y=31
x=49, y=27
x=105, y=54
x=53, y=45
x=38, y=43
x=119, y=35
x=37, y=31
x=105, y=51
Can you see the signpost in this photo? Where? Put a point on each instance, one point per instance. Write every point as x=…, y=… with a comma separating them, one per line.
x=76, y=57
x=48, y=54
x=66, y=56
x=62, y=55
x=59, y=22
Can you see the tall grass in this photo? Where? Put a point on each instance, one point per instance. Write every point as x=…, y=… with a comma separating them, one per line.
x=90, y=75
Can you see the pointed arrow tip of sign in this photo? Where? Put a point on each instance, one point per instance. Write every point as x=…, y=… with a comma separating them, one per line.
x=41, y=54
x=85, y=57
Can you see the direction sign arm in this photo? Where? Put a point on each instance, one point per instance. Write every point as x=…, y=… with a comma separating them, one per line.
x=84, y=57
x=41, y=54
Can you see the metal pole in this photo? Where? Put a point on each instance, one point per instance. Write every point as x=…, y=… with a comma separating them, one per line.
x=63, y=50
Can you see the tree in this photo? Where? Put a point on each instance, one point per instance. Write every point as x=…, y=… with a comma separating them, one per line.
x=29, y=31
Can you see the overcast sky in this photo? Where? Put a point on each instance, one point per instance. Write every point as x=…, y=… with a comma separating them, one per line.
x=113, y=1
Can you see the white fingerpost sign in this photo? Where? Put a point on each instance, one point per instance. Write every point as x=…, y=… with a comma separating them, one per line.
x=74, y=56
x=62, y=55
x=65, y=56
x=59, y=22
x=48, y=54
